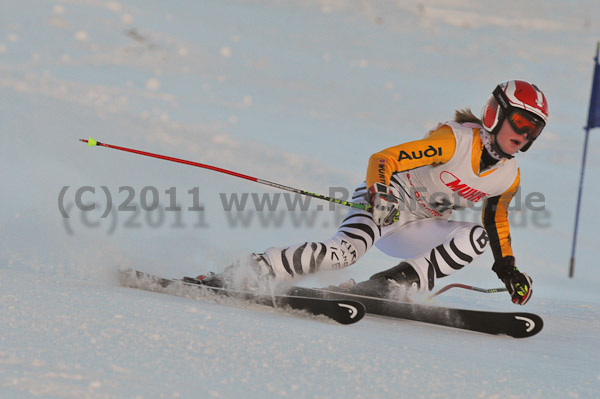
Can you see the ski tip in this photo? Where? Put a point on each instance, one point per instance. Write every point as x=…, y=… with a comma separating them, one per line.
x=355, y=312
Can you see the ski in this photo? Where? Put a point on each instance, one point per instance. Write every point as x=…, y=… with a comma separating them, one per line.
x=343, y=311
x=513, y=324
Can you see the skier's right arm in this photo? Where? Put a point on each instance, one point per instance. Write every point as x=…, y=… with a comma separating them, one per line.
x=437, y=148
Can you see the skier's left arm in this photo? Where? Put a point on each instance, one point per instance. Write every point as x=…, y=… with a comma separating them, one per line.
x=495, y=221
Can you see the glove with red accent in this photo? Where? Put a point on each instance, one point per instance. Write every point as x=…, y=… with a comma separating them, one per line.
x=384, y=202
x=518, y=284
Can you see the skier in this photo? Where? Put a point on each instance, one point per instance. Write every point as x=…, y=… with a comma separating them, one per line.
x=413, y=189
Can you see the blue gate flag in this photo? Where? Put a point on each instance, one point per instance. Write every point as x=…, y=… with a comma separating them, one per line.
x=594, y=112
x=593, y=121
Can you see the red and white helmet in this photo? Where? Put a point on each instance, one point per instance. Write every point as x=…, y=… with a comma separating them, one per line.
x=516, y=98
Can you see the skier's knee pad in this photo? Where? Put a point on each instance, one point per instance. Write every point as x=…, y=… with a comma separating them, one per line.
x=479, y=239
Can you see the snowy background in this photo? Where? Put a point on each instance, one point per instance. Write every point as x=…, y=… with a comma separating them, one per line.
x=299, y=93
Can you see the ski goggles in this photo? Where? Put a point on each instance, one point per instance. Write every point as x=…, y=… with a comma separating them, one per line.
x=525, y=123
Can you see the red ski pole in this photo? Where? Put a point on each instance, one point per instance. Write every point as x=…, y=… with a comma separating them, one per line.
x=91, y=143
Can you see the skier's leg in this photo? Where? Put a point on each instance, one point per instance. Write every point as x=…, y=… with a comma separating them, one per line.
x=355, y=236
x=459, y=244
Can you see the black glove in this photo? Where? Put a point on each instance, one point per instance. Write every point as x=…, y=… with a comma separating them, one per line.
x=384, y=200
x=518, y=284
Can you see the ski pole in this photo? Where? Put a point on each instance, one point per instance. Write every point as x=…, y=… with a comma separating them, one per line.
x=91, y=143
x=467, y=287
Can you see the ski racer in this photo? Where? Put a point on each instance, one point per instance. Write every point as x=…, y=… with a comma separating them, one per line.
x=414, y=187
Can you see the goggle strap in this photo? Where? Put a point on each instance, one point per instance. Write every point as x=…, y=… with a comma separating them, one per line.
x=501, y=98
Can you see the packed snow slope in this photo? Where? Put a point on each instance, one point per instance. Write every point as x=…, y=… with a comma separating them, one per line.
x=300, y=93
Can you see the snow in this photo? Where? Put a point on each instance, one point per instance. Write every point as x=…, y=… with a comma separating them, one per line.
x=70, y=338
x=299, y=93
